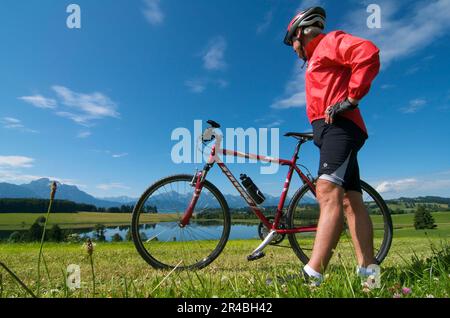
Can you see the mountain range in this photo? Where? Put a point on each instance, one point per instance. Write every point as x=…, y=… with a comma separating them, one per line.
x=40, y=189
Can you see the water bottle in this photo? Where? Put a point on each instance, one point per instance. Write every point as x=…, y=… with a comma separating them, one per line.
x=252, y=189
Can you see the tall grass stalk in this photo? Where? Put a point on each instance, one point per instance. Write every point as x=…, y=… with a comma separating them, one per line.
x=18, y=280
x=347, y=276
x=46, y=267
x=167, y=276
x=52, y=197
x=126, y=286
x=90, y=251
x=64, y=275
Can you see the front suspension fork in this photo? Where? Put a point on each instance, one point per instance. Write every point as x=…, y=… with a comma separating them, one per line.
x=198, y=181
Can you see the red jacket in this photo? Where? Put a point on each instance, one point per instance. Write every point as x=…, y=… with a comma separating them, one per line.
x=340, y=65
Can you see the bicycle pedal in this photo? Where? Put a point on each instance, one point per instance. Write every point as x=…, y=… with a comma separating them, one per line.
x=255, y=256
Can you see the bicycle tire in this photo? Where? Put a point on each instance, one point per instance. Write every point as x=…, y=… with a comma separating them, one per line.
x=151, y=259
x=381, y=204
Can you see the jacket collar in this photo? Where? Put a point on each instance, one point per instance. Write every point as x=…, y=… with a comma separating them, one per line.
x=311, y=46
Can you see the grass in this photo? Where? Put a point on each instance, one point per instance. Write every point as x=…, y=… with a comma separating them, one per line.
x=121, y=272
x=419, y=260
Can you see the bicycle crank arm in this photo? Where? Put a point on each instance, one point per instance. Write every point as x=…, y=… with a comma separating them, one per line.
x=258, y=253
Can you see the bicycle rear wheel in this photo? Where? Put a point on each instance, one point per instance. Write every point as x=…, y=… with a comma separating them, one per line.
x=304, y=211
x=159, y=238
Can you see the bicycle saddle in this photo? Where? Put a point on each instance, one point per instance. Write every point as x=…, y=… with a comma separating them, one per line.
x=213, y=124
x=307, y=136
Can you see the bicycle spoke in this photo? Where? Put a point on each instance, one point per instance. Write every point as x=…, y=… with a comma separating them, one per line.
x=306, y=206
x=196, y=244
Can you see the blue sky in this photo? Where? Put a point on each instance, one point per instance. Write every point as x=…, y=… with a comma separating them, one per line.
x=96, y=106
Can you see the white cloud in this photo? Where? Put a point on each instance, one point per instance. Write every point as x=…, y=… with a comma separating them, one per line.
x=84, y=134
x=435, y=184
x=120, y=155
x=11, y=123
x=295, y=101
x=199, y=85
x=153, y=12
x=16, y=124
x=39, y=101
x=275, y=123
x=16, y=162
x=196, y=86
x=16, y=177
x=111, y=186
x=397, y=186
x=10, y=120
x=414, y=106
x=294, y=96
x=85, y=107
x=266, y=23
x=213, y=58
x=405, y=35
x=221, y=83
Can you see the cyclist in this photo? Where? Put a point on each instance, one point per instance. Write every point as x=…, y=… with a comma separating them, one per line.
x=341, y=68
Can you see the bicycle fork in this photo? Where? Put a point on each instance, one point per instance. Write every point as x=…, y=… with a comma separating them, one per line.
x=197, y=181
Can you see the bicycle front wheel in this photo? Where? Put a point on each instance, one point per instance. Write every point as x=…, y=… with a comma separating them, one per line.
x=156, y=229
x=304, y=212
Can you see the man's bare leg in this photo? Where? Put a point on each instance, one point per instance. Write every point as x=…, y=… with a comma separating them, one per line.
x=360, y=226
x=330, y=197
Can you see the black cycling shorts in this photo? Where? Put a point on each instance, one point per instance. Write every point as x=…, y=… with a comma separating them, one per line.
x=339, y=144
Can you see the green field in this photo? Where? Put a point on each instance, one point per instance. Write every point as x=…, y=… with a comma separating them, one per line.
x=121, y=272
x=22, y=221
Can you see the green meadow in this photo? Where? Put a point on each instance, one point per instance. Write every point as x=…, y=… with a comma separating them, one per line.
x=418, y=265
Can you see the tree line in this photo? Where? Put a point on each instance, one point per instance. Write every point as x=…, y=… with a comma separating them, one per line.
x=56, y=234
x=61, y=206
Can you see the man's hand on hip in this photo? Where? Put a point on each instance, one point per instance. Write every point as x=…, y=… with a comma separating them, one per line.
x=333, y=111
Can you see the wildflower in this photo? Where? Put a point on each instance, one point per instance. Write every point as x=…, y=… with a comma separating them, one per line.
x=406, y=291
x=53, y=188
x=366, y=289
x=54, y=291
x=89, y=247
x=429, y=296
x=397, y=295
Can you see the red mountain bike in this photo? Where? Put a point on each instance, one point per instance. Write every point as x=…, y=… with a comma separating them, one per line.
x=184, y=222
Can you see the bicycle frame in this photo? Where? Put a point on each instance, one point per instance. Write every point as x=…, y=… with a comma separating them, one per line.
x=292, y=164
